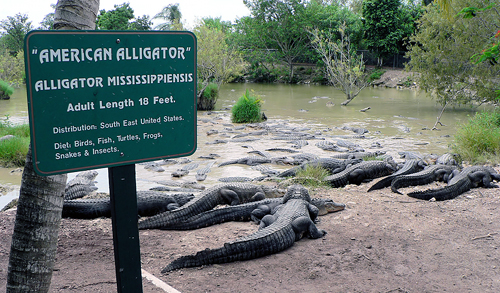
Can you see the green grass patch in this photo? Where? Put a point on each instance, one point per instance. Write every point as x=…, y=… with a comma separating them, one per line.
x=211, y=91
x=312, y=176
x=6, y=88
x=478, y=140
x=246, y=109
x=376, y=74
x=13, y=151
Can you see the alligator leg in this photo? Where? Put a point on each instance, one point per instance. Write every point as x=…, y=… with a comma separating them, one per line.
x=260, y=212
x=357, y=176
x=483, y=177
x=303, y=225
x=266, y=221
x=232, y=197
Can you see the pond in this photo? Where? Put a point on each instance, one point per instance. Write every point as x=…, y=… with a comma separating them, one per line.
x=392, y=113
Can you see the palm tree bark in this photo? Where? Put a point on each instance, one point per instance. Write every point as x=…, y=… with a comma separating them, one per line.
x=39, y=210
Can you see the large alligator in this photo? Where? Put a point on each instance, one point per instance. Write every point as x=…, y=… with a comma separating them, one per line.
x=469, y=178
x=248, y=211
x=409, y=167
x=250, y=161
x=82, y=185
x=289, y=222
x=149, y=203
x=226, y=193
x=356, y=174
x=426, y=176
x=332, y=165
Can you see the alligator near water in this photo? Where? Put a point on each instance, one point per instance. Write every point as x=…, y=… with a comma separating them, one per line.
x=357, y=173
x=149, y=203
x=332, y=165
x=248, y=211
x=469, y=178
x=278, y=231
x=426, y=176
x=226, y=193
x=409, y=167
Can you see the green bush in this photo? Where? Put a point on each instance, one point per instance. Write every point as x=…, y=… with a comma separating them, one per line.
x=13, y=151
x=12, y=68
x=6, y=88
x=246, y=109
x=478, y=140
x=376, y=74
x=312, y=176
x=211, y=91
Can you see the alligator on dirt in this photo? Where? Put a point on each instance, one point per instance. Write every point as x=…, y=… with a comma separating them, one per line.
x=426, y=176
x=469, y=178
x=80, y=186
x=289, y=222
x=358, y=173
x=149, y=203
x=226, y=193
x=332, y=165
x=409, y=167
x=250, y=161
x=248, y=211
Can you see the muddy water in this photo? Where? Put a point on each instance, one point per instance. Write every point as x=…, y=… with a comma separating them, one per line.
x=394, y=117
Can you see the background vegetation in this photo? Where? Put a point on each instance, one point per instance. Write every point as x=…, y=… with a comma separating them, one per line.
x=453, y=45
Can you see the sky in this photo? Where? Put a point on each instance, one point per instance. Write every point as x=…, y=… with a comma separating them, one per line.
x=191, y=9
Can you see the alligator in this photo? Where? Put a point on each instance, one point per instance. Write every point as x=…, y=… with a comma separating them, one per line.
x=80, y=186
x=250, y=161
x=330, y=146
x=447, y=159
x=226, y=193
x=149, y=203
x=78, y=191
x=201, y=174
x=409, y=167
x=469, y=178
x=248, y=211
x=289, y=222
x=235, y=179
x=282, y=150
x=357, y=173
x=426, y=176
x=361, y=155
x=332, y=165
x=184, y=170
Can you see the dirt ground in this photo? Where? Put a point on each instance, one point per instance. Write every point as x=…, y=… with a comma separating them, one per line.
x=382, y=242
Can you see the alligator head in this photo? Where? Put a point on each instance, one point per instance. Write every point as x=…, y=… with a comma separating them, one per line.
x=273, y=192
x=328, y=206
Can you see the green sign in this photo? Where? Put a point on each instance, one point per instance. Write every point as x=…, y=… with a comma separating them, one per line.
x=107, y=98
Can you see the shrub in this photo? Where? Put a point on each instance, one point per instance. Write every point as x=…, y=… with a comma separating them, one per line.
x=6, y=88
x=246, y=109
x=13, y=151
x=211, y=91
x=478, y=140
x=375, y=74
x=312, y=176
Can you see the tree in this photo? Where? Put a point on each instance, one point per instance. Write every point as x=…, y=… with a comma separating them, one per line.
x=142, y=23
x=345, y=70
x=15, y=27
x=383, y=25
x=217, y=61
x=442, y=53
x=281, y=26
x=171, y=15
x=48, y=21
x=34, y=241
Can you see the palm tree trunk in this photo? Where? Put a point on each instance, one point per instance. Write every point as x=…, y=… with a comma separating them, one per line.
x=36, y=230
x=34, y=242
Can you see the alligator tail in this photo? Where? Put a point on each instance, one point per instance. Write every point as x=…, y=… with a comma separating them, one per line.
x=383, y=183
x=404, y=181
x=445, y=193
x=247, y=248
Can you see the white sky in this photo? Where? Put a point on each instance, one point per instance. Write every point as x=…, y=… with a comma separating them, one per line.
x=191, y=9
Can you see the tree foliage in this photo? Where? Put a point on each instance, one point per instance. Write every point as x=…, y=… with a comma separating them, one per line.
x=122, y=18
x=12, y=68
x=387, y=23
x=217, y=61
x=15, y=27
x=345, y=69
x=442, y=53
x=171, y=15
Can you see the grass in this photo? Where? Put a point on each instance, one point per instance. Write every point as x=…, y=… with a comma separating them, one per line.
x=312, y=176
x=376, y=74
x=13, y=151
x=246, y=109
x=478, y=140
x=6, y=88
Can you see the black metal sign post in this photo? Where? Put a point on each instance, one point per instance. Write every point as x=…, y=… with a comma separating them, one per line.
x=126, y=245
